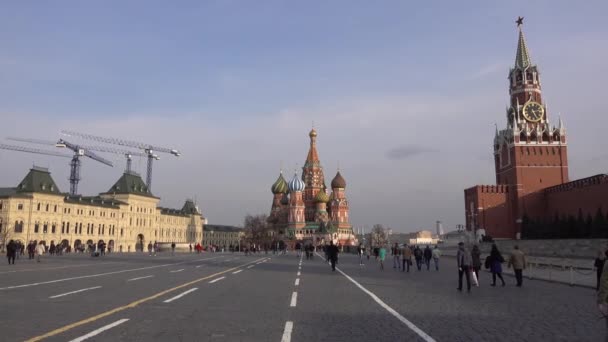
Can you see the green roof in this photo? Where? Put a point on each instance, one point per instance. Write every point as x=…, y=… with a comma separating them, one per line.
x=190, y=208
x=130, y=183
x=38, y=180
x=93, y=201
x=522, y=57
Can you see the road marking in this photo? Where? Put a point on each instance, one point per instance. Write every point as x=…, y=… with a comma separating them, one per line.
x=100, y=330
x=294, y=299
x=133, y=279
x=77, y=291
x=175, y=271
x=297, y=282
x=93, y=275
x=299, y=273
x=199, y=266
x=287, y=332
x=392, y=311
x=129, y=306
x=257, y=263
x=216, y=280
x=180, y=295
x=250, y=266
x=239, y=271
x=61, y=267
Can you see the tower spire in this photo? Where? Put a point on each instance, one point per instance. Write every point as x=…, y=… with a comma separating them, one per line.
x=522, y=57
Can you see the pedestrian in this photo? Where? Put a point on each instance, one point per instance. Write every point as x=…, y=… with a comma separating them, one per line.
x=31, y=250
x=495, y=261
x=190, y=248
x=599, y=266
x=406, y=259
x=476, y=260
x=360, y=251
x=172, y=248
x=11, y=251
x=436, y=255
x=368, y=252
x=418, y=256
x=298, y=250
x=39, y=251
x=518, y=261
x=52, y=248
x=332, y=254
x=602, y=296
x=381, y=257
x=463, y=258
x=428, y=255
x=396, y=252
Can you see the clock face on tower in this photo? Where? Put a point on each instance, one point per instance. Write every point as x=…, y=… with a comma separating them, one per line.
x=533, y=111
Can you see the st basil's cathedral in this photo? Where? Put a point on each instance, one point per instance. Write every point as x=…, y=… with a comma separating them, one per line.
x=303, y=210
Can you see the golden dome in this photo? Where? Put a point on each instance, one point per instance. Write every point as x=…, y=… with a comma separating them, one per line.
x=313, y=133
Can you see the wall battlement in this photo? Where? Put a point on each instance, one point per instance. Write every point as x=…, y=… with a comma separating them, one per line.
x=578, y=184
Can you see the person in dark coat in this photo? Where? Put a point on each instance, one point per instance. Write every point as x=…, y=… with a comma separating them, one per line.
x=428, y=255
x=332, y=254
x=418, y=256
x=496, y=261
x=476, y=260
x=11, y=252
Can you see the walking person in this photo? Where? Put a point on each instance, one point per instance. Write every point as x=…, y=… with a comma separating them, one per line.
x=11, y=251
x=476, y=260
x=602, y=296
x=495, y=261
x=172, y=248
x=406, y=258
x=39, y=251
x=418, y=256
x=396, y=252
x=332, y=254
x=436, y=255
x=361, y=251
x=463, y=258
x=599, y=266
x=428, y=255
x=518, y=261
x=381, y=257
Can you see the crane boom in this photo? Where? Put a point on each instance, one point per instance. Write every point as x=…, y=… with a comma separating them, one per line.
x=122, y=142
x=33, y=150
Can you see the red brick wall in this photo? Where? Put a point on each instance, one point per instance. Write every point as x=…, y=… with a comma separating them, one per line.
x=491, y=210
x=588, y=194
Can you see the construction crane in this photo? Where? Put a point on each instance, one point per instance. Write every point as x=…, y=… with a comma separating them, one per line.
x=127, y=154
x=147, y=148
x=33, y=150
x=79, y=151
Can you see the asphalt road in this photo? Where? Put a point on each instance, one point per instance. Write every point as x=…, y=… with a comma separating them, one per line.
x=233, y=297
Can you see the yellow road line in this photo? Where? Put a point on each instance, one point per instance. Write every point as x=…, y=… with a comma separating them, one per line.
x=129, y=306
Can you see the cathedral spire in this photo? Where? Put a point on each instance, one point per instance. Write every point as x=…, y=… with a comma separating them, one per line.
x=313, y=156
x=522, y=57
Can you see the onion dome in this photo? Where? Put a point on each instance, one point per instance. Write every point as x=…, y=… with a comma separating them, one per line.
x=296, y=184
x=313, y=133
x=280, y=186
x=322, y=197
x=338, y=182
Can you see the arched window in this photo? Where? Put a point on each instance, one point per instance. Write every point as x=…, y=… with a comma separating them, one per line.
x=36, y=227
x=18, y=226
x=53, y=228
x=38, y=207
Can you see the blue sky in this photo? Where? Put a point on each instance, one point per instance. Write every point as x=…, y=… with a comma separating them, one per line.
x=404, y=94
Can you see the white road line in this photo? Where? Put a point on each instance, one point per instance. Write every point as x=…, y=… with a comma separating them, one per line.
x=299, y=273
x=239, y=271
x=180, y=295
x=392, y=311
x=297, y=282
x=294, y=299
x=100, y=330
x=72, y=292
x=287, y=332
x=250, y=266
x=176, y=271
x=199, y=266
x=216, y=279
x=93, y=275
x=150, y=276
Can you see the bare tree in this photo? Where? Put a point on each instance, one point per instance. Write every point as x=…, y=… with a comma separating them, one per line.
x=379, y=235
x=257, y=230
x=5, y=236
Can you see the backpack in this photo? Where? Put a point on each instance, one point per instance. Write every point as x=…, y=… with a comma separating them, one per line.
x=487, y=262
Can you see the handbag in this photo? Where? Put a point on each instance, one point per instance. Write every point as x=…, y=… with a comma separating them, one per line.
x=474, y=279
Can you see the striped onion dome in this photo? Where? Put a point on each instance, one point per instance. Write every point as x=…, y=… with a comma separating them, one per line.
x=296, y=184
x=322, y=197
x=280, y=186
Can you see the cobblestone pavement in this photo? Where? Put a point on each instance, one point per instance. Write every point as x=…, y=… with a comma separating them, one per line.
x=232, y=297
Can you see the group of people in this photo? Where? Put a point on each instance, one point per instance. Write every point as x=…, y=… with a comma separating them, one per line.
x=34, y=250
x=403, y=255
x=469, y=264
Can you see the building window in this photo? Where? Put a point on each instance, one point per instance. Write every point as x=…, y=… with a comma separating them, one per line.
x=36, y=227
x=1, y=205
x=67, y=228
x=62, y=227
x=53, y=227
x=47, y=207
x=19, y=206
x=18, y=226
x=45, y=228
x=38, y=208
x=121, y=232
